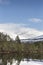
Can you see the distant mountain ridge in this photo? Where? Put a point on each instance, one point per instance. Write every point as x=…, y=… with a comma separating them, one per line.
x=41, y=36
x=38, y=38
x=6, y=37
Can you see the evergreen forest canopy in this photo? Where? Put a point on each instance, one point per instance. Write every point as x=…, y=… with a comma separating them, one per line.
x=8, y=45
x=4, y=37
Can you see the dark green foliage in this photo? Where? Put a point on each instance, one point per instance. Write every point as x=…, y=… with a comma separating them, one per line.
x=17, y=40
x=4, y=37
x=8, y=45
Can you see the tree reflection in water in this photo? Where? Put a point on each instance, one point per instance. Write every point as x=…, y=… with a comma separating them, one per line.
x=15, y=59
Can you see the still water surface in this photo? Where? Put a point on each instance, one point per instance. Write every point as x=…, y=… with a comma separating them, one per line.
x=21, y=59
x=25, y=62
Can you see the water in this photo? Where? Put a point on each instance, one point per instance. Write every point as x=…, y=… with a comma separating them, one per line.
x=21, y=59
x=25, y=63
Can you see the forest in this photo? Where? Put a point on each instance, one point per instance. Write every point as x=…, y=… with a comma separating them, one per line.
x=8, y=45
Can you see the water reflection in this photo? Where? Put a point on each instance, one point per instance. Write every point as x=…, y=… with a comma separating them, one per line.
x=21, y=59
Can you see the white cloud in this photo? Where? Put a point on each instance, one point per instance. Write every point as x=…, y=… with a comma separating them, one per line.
x=35, y=20
x=4, y=2
x=19, y=29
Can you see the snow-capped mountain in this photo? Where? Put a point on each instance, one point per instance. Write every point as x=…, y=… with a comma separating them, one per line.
x=41, y=36
x=38, y=38
x=32, y=39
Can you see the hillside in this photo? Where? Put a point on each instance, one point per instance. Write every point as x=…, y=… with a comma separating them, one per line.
x=36, y=39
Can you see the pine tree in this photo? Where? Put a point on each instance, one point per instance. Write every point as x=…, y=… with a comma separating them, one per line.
x=17, y=40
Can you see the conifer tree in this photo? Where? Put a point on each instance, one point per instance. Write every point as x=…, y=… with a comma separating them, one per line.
x=17, y=39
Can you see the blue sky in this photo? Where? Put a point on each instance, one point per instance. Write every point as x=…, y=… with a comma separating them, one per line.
x=20, y=11
x=28, y=12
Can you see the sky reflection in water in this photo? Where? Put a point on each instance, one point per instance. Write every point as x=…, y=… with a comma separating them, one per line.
x=26, y=62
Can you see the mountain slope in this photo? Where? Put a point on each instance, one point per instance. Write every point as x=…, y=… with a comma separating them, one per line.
x=38, y=38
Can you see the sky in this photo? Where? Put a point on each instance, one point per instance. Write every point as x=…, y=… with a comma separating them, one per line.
x=21, y=16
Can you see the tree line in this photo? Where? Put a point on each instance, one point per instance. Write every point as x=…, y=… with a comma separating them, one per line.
x=19, y=47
